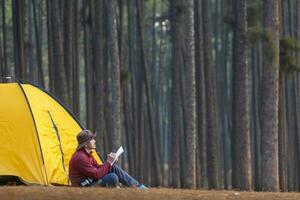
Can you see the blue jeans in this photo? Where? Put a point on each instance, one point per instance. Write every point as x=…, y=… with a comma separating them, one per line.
x=116, y=175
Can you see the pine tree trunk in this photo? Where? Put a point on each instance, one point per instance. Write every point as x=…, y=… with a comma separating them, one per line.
x=99, y=120
x=270, y=96
x=4, y=40
x=32, y=68
x=297, y=99
x=212, y=125
x=106, y=78
x=225, y=107
x=39, y=52
x=282, y=134
x=88, y=63
x=200, y=97
x=18, y=12
x=123, y=73
x=69, y=40
x=256, y=117
x=59, y=76
x=153, y=134
x=191, y=98
x=175, y=100
x=133, y=99
x=75, y=61
x=116, y=87
x=50, y=48
x=241, y=122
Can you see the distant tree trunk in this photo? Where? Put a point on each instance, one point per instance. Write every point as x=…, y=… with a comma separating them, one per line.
x=88, y=56
x=153, y=134
x=18, y=12
x=283, y=141
x=4, y=40
x=292, y=139
x=241, y=118
x=176, y=16
x=183, y=166
x=116, y=87
x=31, y=63
x=256, y=79
x=200, y=99
x=270, y=94
x=59, y=76
x=297, y=29
x=227, y=110
x=38, y=35
x=99, y=119
x=106, y=78
x=191, y=98
x=297, y=121
x=286, y=176
x=76, y=73
x=50, y=48
x=133, y=98
x=69, y=41
x=123, y=72
x=297, y=99
x=212, y=125
x=1, y=62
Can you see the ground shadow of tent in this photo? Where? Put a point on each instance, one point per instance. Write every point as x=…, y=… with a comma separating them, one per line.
x=37, y=135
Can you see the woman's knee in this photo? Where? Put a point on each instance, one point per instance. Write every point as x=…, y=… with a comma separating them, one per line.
x=113, y=179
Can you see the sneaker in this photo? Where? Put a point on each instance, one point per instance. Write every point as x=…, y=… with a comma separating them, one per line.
x=142, y=187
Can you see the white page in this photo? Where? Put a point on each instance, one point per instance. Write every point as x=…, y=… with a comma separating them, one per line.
x=118, y=153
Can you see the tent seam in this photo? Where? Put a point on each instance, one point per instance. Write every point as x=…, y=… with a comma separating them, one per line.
x=36, y=130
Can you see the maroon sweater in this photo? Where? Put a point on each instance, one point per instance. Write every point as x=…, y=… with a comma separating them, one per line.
x=83, y=165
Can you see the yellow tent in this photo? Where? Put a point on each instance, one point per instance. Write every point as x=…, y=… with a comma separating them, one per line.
x=37, y=135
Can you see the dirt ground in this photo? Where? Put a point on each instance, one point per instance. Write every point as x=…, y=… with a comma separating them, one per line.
x=69, y=193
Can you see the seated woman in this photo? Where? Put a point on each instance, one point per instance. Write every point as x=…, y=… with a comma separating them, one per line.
x=85, y=171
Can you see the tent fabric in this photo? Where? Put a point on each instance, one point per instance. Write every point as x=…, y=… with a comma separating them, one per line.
x=19, y=151
x=37, y=135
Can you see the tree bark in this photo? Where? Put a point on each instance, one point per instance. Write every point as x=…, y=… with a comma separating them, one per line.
x=88, y=63
x=241, y=118
x=212, y=125
x=270, y=96
x=99, y=120
x=133, y=101
x=191, y=98
x=116, y=87
x=176, y=16
x=59, y=76
x=69, y=50
x=4, y=39
x=153, y=134
x=200, y=99
x=38, y=35
x=18, y=12
x=50, y=48
x=75, y=67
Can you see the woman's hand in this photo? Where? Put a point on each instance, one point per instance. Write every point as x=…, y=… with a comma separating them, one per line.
x=111, y=157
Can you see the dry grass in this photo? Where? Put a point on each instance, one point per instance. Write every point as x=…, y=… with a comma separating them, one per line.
x=69, y=193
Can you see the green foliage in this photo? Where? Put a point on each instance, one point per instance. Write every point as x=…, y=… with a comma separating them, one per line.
x=254, y=13
x=290, y=44
x=271, y=49
x=125, y=76
x=289, y=47
x=288, y=64
x=254, y=35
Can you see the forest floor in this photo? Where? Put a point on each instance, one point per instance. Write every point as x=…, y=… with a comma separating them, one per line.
x=69, y=193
